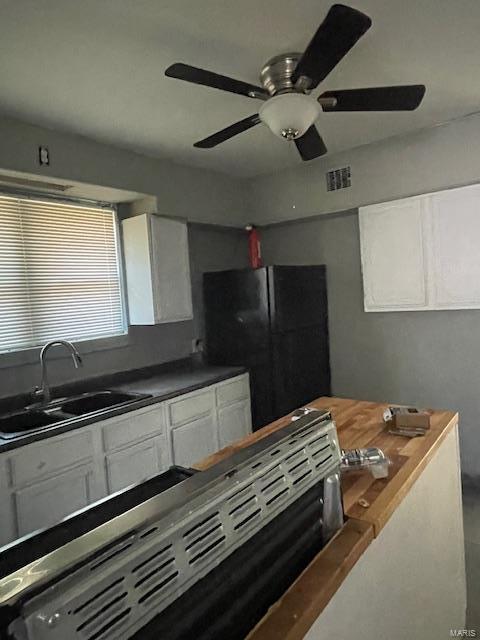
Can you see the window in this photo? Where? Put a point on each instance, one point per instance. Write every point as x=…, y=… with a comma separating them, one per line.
x=59, y=272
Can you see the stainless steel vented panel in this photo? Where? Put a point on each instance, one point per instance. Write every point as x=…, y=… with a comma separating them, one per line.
x=118, y=589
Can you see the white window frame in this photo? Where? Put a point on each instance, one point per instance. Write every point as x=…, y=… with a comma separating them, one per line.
x=30, y=355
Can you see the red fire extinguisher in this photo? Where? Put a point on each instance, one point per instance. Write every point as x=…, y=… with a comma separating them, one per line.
x=254, y=249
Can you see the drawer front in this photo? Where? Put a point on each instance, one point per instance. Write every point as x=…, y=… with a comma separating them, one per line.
x=38, y=460
x=134, y=426
x=192, y=407
x=135, y=464
x=232, y=391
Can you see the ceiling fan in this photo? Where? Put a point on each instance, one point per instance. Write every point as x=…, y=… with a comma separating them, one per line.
x=289, y=109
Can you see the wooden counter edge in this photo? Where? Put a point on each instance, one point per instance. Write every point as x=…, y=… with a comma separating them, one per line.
x=295, y=612
x=385, y=505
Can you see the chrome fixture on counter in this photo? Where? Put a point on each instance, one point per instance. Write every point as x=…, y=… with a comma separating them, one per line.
x=372, y=459
x=43, y=393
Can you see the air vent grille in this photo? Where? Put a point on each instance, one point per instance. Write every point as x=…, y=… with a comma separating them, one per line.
x=119, y=591
x=104, y=613
x=339, y=179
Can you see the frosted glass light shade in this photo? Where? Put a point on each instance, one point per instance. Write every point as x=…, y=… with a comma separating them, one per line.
x=289, y=112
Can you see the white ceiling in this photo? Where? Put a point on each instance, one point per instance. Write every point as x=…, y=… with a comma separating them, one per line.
x=95, y=67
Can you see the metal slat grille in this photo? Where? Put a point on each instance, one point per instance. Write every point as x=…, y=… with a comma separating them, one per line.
x=339, y=179
x=137, y=579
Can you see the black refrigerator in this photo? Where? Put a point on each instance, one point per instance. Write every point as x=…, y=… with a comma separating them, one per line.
x=274, y=321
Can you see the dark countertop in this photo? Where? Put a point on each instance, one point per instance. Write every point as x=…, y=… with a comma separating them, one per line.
x=171, y=384
x=161, y=382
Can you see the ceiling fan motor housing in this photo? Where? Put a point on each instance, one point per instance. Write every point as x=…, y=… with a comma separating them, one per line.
x=276, y=74
x=288, y=112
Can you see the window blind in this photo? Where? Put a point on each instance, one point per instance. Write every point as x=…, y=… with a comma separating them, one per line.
x=59, y=272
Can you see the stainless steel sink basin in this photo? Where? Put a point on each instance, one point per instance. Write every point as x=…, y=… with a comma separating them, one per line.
x=36, y=417
x=17, y=423
x=95, y=401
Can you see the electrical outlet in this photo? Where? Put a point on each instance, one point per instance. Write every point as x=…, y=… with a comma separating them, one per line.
x=43, y=156
x=197, y=345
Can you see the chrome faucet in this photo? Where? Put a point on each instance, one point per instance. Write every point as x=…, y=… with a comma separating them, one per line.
x=44, y=391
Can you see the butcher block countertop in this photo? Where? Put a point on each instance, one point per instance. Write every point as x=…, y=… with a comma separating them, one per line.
x=368, y=503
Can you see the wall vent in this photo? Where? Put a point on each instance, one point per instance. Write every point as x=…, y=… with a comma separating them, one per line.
x=339, y=179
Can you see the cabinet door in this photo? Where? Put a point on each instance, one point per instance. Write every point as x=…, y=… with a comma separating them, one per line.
x=47, y=502
x=394, y=262
x=172, y=287
x=138, y=270
x=193, y=441
x=157, y=269
x=7, y=523
x=135, y=464
x=234, y=422
x=456, y=255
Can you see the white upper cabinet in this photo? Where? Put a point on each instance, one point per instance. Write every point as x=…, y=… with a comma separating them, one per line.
x=421, y=253
x=393, y=255
x=456, y=248
x=157, y=269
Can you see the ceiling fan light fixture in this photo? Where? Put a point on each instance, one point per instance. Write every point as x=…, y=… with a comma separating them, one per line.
x=287, y=79
x=289, y=115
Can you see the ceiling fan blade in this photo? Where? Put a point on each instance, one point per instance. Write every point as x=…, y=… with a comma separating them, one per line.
x=228, y=132
x=311, y=145
x=334, y=38
x=400, y=98
x=210, y=79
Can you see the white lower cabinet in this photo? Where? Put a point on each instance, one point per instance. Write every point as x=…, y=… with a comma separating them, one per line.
x=192, y=426
x=234, y=422
x=45, y=503
x=45, y=481
x=193, y=441
x=135, y=464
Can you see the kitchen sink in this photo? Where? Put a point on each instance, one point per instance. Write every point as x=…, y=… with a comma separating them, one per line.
x=37, y=416
x=16, y=423
x=96, y=401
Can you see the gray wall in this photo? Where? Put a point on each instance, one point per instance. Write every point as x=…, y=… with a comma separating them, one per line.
x=194, y=194
x=142, y=347
x=438, y=158
x=428, y=358
x=211, y=248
